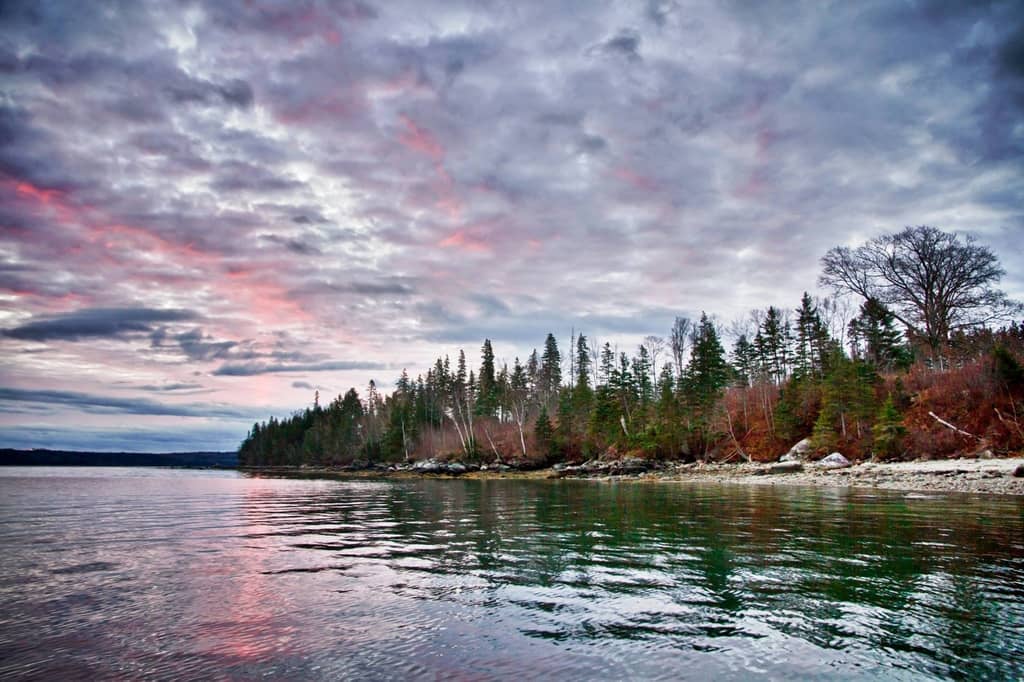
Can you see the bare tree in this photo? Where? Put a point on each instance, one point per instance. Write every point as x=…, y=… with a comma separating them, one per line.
x=654, y=346
x=836, y=312
x=678, y=340
x=934, y=282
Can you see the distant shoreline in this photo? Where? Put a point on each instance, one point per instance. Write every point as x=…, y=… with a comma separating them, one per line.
x=977, y=476
x=48, y=457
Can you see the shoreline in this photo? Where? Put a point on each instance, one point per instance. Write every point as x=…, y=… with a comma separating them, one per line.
x=975, y=476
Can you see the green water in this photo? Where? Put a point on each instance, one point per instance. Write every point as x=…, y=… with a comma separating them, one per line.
x=197, y=574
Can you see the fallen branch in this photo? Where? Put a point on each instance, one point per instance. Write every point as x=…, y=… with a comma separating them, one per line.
x=951, y=426
x=1011, y=423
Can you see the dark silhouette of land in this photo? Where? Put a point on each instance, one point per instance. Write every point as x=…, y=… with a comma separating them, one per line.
x=42, y=457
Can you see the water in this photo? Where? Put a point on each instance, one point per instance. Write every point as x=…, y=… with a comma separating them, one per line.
x=171, y=574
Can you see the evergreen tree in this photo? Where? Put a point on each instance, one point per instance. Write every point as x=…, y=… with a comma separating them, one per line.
x=582, y=362
x=875, y=338
x=704, y=381
x=744, y=361
x=888, y=430
x=544, y=434
x=487, y=400
x=847, y=402
x=771, y=344
x=550, y=370
x=707, y=373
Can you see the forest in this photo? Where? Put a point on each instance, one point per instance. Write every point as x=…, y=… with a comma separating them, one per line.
x=917, y=366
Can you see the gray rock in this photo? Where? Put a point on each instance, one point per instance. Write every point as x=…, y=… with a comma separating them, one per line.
x=457, y=468
x=630, y=465
x=797, y=452
x=428, y=466
x=835, y=461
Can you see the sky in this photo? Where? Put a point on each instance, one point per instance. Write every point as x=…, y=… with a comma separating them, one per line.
x=208, y=211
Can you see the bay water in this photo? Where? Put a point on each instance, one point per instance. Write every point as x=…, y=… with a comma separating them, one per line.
x=188, y=574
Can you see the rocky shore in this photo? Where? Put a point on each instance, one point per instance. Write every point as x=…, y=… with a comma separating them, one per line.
x=989, y=476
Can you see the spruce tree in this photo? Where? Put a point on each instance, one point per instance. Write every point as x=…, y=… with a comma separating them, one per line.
x=876, y=339
x=550, y=370
x=544, y=434
x=707, y=373
x=487, y=400
x=888, y=430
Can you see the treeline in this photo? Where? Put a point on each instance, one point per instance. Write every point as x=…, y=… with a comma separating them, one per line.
x=787, y=379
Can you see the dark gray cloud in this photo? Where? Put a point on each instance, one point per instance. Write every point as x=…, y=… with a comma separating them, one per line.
x=96, y=323
x=16, y=399
x=83, y=438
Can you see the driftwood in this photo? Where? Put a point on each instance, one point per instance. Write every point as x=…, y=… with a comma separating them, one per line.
x=954, y=428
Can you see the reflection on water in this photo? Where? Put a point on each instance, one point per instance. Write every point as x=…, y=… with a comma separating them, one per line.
x=177, y=574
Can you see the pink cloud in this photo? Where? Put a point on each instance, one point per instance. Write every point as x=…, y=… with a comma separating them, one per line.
x=419, y=139
x=460, y=239
x=635, y=179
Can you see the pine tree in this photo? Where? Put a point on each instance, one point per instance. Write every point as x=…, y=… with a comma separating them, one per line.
x=876, y=339
x=847, y=402
x=888, y=430
x=550, y=370
x=707, y=373
x=544, y=434
x=487, y=400
x=744, y=361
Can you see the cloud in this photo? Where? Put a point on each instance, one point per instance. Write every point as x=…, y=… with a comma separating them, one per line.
x=334, y=180
x=171, y=388
x=248, y=369
x=96, y=323
x=129, y=439
x=13, y=399
x=626, y=43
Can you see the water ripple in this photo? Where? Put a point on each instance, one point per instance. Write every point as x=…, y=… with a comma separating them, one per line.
x=213, y=574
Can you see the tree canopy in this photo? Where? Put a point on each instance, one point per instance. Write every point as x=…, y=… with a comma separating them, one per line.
x=934, y=282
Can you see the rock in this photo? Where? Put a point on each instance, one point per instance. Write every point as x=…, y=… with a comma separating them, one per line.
x=985, y=454
x=1019, y=471
x=785, y=468
x=456, y=468
x=428, y=466
x=797, y=452
x=631, y=465
x=835, y=461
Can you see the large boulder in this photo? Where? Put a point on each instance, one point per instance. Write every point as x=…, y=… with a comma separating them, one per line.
x=835, y=461
x=1019, y=471
x=457, y=468
x=798, y=452
x=428, y=466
